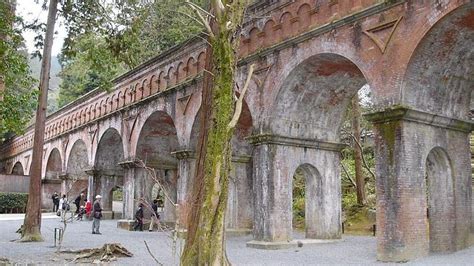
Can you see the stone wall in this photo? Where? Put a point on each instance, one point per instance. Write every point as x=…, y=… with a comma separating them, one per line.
x=14, y=183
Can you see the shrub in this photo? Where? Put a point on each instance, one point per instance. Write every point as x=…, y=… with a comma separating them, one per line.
x=12, y=202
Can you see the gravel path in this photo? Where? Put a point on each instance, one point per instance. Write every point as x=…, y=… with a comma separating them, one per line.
x=357, y=250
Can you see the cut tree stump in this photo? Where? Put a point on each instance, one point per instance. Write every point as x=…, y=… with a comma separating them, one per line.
x=107, y=253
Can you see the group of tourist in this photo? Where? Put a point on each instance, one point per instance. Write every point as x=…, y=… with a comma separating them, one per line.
x=61, y=206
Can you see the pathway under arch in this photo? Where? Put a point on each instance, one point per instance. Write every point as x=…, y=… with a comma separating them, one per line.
x=51, y=182
x=107, y=172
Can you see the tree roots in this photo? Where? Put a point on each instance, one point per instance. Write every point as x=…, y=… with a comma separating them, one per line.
x=107, y=253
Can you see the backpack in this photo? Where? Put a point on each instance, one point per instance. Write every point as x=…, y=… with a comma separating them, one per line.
x=65, y=206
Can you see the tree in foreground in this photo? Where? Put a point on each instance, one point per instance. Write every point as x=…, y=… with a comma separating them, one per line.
x=17, y=98
x=32, y=224
x=205, y=241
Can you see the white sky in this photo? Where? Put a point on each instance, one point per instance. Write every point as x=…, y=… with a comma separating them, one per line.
x=30, y=11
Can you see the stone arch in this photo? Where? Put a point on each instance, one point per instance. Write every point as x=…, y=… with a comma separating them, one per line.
x=254, y=40
x=304, y=16
x=121, y=98
x=157, y=141
x=53, y=164
x=191, y=70
x=181, y=72
x=51, y=182
x=171, y=76
x=18, y=169
x=201, y=61
x=162, y=82
x=270, y=35
x=153, y=87
x=443, y=86
x=285, y=23
x=78, y=160
x=144, y=89
x=441, y=211
x=313, y=199
x=114, y=101
x=107, y=170
x=313, y=98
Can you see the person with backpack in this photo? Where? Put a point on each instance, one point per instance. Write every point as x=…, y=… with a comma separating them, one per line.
x=139, y=218
x=97, y=215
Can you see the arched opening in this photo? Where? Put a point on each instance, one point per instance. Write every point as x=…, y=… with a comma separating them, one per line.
x=108, y=173
x=314, y=97
x=440, y=202
x=54, y=165
x=51, y=181
x=239, y=213
x=307, y=194
x=77, y=164
x=156, y=142
x=17, y=169
x=439, y=79
x=304, y=128
x=116, y=194
x=440, y=75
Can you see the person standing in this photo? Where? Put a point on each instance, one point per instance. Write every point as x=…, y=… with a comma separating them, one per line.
x=97, y=215
x=79, y=201
x=63, y=205
x=55, y=199
x=139, y=218
x=154, y=216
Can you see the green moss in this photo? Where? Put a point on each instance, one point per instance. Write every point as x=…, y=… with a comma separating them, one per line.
x=388, y=131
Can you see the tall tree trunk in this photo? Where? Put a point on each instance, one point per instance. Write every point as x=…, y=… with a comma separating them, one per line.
x=205, y=241
x=32, y=224
x=360, y=182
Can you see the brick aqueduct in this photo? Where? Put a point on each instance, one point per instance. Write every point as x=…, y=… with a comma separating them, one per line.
x=312, y=56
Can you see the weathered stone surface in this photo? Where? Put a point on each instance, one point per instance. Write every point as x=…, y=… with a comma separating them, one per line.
x=417, y=58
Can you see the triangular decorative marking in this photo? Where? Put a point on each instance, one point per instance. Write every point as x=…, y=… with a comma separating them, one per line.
x=132, y=128
x=185, y=101
x=379, y=40
x=27, y=159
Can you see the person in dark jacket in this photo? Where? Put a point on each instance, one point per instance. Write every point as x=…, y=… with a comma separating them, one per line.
x=139, y=218
x=97, y=215
x=79, y=201
x=55, y=198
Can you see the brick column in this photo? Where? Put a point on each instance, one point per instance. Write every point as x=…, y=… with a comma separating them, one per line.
x=275, y=161
x=129, y=204
x=91, y=173
x=186, y=172
x=404, y=138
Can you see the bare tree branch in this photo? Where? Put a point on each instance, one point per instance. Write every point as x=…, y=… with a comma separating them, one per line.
x=363, y=157
x=348, y=176
x=240, y=100
x=151, y=254
x=201, y=17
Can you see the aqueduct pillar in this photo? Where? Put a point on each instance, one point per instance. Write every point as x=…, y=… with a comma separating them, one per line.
x=423, y=183
x=276, y=159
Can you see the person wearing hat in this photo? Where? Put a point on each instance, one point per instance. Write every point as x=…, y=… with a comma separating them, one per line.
x=96, y=214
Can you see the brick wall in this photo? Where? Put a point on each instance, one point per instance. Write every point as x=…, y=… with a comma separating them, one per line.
x=14, y=183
